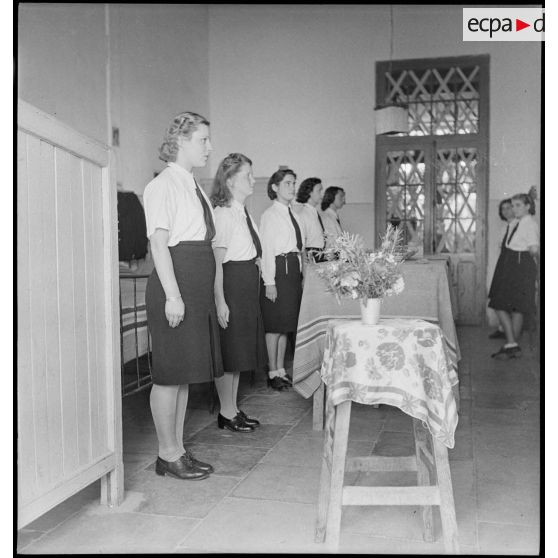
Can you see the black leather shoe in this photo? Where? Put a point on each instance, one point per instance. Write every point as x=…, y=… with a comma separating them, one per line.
x=506, y=354
x=179, y=470
x=191, y=461
x=248, y=420
x=277, y=383
x=497, y=335
x=235, y=424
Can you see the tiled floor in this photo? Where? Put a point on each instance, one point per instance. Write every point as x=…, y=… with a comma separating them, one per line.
x=262, y=496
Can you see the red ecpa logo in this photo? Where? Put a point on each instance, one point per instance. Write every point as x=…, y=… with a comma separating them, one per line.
x=493, y=25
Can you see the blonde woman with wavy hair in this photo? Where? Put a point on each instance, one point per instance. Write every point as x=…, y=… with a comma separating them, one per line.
x=179, y=296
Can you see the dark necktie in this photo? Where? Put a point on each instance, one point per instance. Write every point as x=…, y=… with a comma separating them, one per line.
x=208, y=218
x=254, y=235
x=321, y=223
x=512, y=233
x=339, y=222
x=506, y=235
x=297, y=231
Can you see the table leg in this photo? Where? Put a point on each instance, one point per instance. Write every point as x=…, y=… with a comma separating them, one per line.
x=447, y=507
x=423, y=477
x=340, y=440
x=318, y=408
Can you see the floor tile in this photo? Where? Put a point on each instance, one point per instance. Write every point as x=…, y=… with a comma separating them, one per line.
x=66, y=509
x=175, y=497
x=279, y=482
x=256, y=526
x=274, y=414
x=228, y=460
x=395, y=444
x=304, y=451
x=263, y=437
x=497, y=538
x=114, y=533
x=268, y=397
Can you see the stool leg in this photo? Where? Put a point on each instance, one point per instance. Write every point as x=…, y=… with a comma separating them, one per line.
x=318, y=408
x=340, y=439
x=423, y=478
x=447, y=507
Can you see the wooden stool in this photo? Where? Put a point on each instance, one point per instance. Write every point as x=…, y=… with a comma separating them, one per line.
x=333, y=494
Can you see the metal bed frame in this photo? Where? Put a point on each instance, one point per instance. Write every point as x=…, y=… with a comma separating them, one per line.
x=135, y=367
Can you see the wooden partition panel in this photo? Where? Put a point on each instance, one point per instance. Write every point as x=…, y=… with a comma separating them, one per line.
x=69, y=408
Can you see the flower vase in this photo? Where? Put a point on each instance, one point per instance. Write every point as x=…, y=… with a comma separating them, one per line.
x=370, y=311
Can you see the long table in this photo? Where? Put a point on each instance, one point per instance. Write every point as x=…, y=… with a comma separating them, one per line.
x=427, y=296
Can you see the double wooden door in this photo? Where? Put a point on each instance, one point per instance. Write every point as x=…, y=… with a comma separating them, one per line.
x=435, y=189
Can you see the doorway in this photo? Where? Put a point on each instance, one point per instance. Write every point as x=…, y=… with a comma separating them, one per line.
x=432, y=181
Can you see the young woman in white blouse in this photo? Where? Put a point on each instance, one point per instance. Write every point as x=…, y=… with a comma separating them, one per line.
x=237, y=251
x=179, y=296
x=505, y=213
x=309, y=198
x=515, y=296
x=332, y=202
x=282, y=245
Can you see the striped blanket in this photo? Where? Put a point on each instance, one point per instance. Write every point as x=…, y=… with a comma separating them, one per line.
x=426, y=296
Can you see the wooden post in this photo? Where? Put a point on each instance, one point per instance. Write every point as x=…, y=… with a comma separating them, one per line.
x=447, y=508
x=318, y=408
x=340, y=439
x=423, y=478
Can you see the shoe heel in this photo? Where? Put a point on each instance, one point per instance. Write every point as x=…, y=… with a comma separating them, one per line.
x=160, y=469
x=220, y=422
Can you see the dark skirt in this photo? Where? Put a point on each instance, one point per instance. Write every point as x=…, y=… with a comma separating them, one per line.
x=189, y=353
x=498, y=279
x=513, y=285
x=281, y=316
x=243, y=342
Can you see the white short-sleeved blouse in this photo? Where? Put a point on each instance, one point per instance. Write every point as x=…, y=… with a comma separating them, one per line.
x=278, y=236
x=526, y=235
x=171, y=203
x=232, y=233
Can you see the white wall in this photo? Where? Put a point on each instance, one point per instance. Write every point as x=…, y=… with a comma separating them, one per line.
x=158, y=67
x=61, y=63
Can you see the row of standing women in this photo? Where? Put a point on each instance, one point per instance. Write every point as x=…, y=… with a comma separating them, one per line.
x=513, y=289
x=222, y=297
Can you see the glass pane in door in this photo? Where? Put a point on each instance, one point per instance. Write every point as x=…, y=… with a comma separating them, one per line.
x=455, y=200
x=405, y=194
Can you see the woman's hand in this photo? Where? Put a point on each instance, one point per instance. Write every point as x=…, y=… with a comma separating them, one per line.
x=271, y=292
x=174, y=311
x=222, y=313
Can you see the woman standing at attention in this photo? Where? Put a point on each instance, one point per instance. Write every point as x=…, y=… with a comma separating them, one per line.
x=309, y=198
x=332, y=202
x=179, y=295
x=237, y=251
x=280, y=298
x=515, y=295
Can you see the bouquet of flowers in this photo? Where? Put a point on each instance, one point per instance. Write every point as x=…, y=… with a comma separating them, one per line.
x=354, y=272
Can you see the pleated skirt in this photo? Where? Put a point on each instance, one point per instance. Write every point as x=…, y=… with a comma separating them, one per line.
x=243, y=340
x=191, y=352
x=281, y=316
x=513, y=284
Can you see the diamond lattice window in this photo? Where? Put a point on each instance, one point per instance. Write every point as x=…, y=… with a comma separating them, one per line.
x=442, y=101
x=405, y=193
x=456, y=200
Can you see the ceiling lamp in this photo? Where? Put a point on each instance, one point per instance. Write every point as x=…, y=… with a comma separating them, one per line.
x=391, y=118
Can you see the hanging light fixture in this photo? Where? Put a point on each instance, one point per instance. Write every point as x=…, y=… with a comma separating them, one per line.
x=391, y=118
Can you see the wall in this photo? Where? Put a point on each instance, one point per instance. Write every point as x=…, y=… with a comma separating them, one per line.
x=61, y=63
x=158, y=67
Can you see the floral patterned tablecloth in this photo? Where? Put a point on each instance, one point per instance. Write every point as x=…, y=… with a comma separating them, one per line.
x=399, y=362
